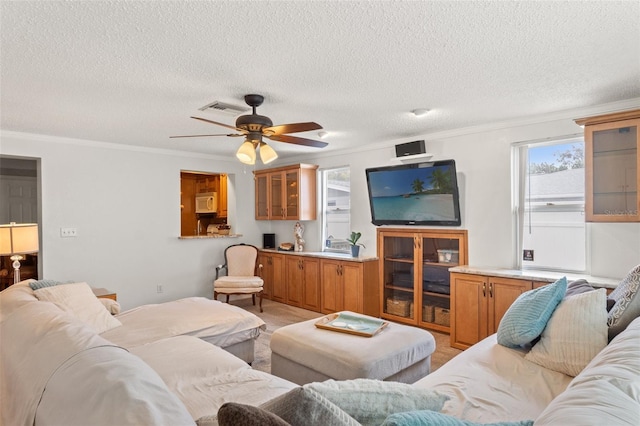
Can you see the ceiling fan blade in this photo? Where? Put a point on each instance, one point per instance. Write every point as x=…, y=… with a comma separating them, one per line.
x=219, y=124
x=298, y=141
x=202, y=136
x=292, y=128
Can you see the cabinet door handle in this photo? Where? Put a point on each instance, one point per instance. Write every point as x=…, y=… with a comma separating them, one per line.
x=484, y=289
x=340, y=266
x=490, y=289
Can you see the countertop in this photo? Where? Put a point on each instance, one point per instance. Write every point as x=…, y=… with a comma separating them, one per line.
x=204, y=236
x=544, y=276
x=323, y=255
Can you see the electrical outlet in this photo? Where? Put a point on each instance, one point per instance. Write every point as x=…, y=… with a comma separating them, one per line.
x=68, y=232
x=159, y=288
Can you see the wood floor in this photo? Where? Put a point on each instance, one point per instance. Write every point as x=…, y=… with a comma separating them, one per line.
x=277, y=315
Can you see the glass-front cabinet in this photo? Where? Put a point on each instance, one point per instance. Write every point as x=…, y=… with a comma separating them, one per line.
x=611, y=167
x=286, y=193
x=414, y=272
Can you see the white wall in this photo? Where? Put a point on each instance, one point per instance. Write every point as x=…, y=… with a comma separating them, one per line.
x=125, y=204
x=483, y=162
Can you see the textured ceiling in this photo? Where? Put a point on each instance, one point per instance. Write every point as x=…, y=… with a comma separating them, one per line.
x=133, y=72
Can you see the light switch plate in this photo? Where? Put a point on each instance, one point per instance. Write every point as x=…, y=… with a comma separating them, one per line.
x=68, y=232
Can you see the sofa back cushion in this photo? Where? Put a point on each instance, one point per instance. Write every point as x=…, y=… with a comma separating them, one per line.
x=606, y=391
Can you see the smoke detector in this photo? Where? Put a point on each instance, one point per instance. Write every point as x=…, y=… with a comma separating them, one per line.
x=225, y=108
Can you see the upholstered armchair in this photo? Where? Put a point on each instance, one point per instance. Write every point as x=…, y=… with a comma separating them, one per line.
x=241, y=265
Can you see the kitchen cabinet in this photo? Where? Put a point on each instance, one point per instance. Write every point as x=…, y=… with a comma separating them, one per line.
x=611, y=167
x=286, y=193
x=303, y=282
x=350, y=286
x=414, y=274
x=273, y=276
x=479, y=302
x=222, y=195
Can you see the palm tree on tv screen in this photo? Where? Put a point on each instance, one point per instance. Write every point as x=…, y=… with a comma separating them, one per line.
x=441, y=181
x=417, y=185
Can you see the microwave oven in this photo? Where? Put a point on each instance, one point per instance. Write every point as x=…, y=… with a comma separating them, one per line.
x=206, y=202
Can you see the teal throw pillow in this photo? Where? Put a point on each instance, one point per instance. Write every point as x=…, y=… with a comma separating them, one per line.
x=528, y=315
x=429, y=418
x=35, y=285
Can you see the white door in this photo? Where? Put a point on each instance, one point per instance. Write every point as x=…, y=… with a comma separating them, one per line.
x=18, y=199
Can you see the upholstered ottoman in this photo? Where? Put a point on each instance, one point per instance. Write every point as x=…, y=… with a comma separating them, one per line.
x=303, y=353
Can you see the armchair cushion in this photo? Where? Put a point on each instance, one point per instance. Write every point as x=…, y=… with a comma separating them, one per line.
x=236, y=282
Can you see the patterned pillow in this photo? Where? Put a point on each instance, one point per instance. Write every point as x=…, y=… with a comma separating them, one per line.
x=576, y=332
x=528, y=315
x=627, y=303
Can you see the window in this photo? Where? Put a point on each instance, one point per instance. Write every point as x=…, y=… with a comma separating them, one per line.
x=336, y=208
x=549, y=198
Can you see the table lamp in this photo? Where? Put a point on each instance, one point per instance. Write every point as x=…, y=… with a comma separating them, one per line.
x=17, y=239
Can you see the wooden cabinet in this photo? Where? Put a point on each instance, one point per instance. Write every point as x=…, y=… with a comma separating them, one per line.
x=286, y=193
x=611, y=167
x=303, y=282
x=479, y=302
x=321, y=284
x=414, y=273
x=349, y=286
x=273, y=276
x=222, y=195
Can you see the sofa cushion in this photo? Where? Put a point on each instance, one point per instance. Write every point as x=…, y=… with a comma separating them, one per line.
x=528, y=315
x=371, y=401
x=606, y=391
x=78, y=300
x=429, y=418
x=576, y=332
x=627, y=303
x=233, y=414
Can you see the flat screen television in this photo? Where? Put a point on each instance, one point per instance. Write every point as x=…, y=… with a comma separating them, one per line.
x=414, y=194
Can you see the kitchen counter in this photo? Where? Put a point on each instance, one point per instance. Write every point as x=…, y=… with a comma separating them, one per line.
x=323, y=255
x=205, y=236
x=533, y=275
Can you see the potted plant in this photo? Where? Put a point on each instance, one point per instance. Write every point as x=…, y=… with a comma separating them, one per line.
x=355, y=245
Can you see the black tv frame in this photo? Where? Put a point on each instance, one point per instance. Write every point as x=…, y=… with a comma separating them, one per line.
x=454, y=191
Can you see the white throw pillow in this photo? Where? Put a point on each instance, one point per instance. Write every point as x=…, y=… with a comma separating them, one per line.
x=78, y=300
x=576, y=332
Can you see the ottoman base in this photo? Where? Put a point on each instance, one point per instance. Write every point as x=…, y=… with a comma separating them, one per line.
x=301, y=374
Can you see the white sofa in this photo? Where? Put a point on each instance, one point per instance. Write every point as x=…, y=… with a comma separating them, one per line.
x=56, y=369
x=491, y=383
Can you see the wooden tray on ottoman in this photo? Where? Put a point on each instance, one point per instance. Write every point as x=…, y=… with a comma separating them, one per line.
x=345, y=322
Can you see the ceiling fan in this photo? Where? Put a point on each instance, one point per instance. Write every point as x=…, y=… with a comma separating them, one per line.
x=255, y=127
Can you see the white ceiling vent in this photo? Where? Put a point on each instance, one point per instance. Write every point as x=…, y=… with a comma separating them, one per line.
x=229, y=109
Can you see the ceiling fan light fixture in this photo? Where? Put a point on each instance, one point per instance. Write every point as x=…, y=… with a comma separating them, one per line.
x=246, y=153
x=267, y=154
x=322, y=134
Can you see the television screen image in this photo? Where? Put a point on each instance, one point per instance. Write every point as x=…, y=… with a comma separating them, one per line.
x=414, y=194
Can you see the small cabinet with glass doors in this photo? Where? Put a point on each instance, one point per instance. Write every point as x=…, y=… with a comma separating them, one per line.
x=414, y=274
x=611, y=167
x=286, y=193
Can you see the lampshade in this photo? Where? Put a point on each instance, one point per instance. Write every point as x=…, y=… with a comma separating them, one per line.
x=18, y=238
x=246, y=153
x=267, y=154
